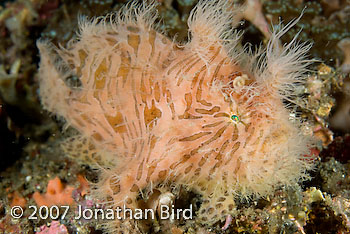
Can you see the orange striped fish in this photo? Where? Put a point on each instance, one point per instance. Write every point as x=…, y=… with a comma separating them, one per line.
x=205, y=115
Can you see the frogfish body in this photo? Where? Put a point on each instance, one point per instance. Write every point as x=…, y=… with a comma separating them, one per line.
x=205, y=115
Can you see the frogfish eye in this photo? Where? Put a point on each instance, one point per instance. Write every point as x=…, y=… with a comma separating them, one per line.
x=235, y=118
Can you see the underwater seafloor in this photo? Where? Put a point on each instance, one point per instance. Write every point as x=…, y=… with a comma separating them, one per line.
x=34, y=170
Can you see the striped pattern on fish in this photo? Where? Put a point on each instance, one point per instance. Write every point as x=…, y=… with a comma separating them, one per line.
x=193, y=115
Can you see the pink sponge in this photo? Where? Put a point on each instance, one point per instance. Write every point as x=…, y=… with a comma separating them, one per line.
x=55, y=228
